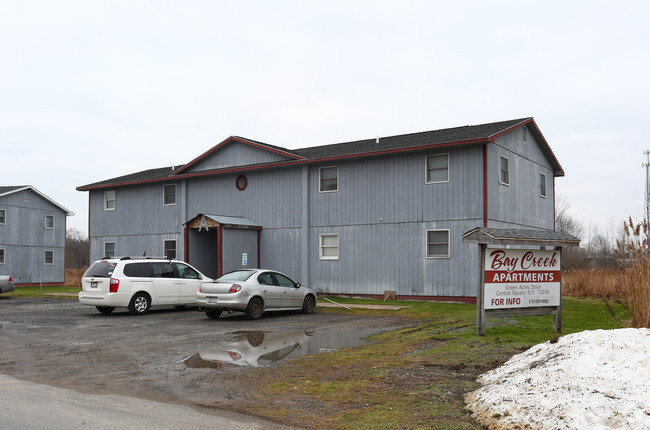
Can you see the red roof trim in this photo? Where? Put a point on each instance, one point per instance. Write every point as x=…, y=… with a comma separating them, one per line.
x=560, y=171
x=240, y=140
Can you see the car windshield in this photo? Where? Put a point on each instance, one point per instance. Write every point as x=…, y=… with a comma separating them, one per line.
x=100, y=269
x=238, y=275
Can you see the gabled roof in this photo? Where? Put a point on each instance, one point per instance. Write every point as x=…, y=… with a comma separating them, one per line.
x=12, y=189
x=470, y=134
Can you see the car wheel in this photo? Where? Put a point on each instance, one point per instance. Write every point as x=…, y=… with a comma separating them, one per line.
x=105, y=309
x=140, y=304
x=254, y=309
x=308, y=305
x=212, y=313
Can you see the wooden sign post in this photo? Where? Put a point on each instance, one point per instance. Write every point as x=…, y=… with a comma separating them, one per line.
x=519, y=282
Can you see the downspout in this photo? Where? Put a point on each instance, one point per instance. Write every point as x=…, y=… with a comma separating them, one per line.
x=485, y=185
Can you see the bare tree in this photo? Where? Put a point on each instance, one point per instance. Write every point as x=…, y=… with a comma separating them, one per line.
x=76, y=249
x=564, y=221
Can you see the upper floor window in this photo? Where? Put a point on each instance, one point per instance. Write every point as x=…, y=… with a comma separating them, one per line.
x=109, y=200
x=329, y=246
x=2, y=256
x=437, y=243
x=3, y=216
x=524, y=132
x=170, y=249
x=49, y=258
x=109, y=249
x=542, y=185
x=504, y=171
x=169, y=195
x=437, y=168
x=49, y=222
x=329, y=179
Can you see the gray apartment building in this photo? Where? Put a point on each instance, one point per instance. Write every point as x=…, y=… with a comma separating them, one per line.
x=32, y=236
x=358, y=218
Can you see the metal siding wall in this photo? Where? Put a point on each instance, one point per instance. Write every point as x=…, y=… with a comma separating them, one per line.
x=520, y=203
x=235, y=242
x=280, y=250
x=271, y=199
x=236, y=154
x=25, y=239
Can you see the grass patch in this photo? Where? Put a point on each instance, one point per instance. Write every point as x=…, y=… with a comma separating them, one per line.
x=415, y=377
x=33, y=292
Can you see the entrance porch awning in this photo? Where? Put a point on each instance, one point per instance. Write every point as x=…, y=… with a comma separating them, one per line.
x=205, y=221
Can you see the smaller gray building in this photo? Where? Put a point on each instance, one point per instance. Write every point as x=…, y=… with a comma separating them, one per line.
x=32, y=236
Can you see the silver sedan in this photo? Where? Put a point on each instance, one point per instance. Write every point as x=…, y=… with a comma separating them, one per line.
x=6, y=284
x=254, y=291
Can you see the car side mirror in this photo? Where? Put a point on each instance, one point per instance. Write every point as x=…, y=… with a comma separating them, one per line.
x=298, y=285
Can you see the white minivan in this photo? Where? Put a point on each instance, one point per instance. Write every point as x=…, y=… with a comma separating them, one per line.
x=139, y=283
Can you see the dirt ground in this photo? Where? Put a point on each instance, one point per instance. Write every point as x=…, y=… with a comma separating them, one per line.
x=64, y=344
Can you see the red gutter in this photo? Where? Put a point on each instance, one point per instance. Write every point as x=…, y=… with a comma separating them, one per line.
x=284, y=163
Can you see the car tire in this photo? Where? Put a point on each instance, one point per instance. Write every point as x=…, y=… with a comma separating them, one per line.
x=308, y=305
x=105, y=309
x=213, y=313
x=254, y=309
x=140, y=304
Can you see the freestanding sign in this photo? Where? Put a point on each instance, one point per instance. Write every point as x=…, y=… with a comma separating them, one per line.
x=518, y=282
x=518, y=278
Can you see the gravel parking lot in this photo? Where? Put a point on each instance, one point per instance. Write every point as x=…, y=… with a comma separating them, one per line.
x=64, y=344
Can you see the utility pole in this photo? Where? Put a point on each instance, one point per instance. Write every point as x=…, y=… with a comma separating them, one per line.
x=646, y=165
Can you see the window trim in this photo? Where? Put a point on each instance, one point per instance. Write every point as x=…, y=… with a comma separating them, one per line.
x=426, y=244
x=165, y=248
x=165, y=195
x=501, y=158
x=426, y=169
x=45, y=257
x=320, y=180
x=106, y=200
x=540, y=185
x=105, y=253
x=46, y=227
x=321, y=247
x=4, y=217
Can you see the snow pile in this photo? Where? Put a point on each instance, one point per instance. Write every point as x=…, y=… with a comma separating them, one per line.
x=590, y=380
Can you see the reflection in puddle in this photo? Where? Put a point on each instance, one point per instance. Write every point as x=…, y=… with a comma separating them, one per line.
x=258, y=348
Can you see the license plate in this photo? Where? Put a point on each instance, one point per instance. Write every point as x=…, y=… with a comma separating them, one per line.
x=212, y=299
x=93, y=284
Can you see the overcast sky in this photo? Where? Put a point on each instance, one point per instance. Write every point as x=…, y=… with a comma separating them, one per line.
x=91, y=90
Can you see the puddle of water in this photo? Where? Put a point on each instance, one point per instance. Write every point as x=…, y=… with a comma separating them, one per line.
x=259, y=348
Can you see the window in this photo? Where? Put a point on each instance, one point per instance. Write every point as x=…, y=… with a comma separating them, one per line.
x=2, y=256
x=49, y=222
x=283, y=281
x=524, y=132
x=49, y=258
x=186, y=272
x=169, y=195
x=542, y=185
x=109, y=200
x=3, y=217
x=329, y=246
x=504, y=171
x=138, y=270
x=109, y=249
x=329, y=179
x=437, y=243
x=437, y=168
x=170, y=249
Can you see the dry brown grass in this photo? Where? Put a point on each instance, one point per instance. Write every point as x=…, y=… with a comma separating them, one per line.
x=73, y=277
x=628, y=285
